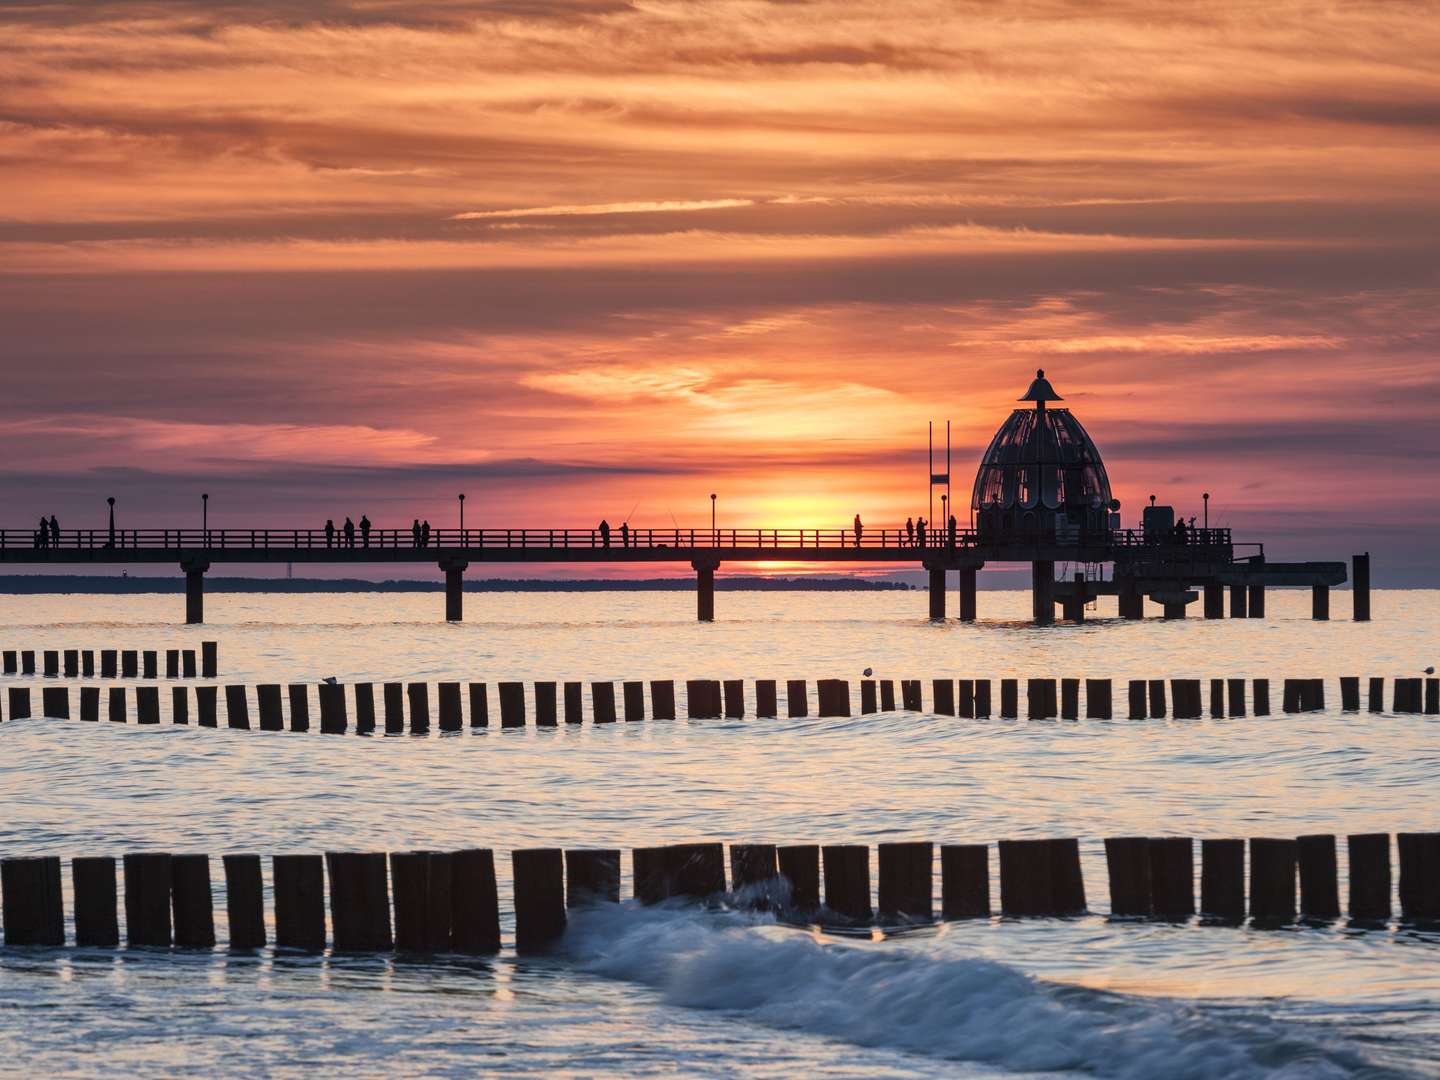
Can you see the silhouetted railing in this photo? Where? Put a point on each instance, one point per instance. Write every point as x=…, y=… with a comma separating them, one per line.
x=584, y=539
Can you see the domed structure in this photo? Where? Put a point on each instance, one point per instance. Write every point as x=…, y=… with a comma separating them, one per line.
x=1041, y=474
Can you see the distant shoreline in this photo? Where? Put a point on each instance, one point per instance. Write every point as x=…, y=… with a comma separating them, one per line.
x=50, y=584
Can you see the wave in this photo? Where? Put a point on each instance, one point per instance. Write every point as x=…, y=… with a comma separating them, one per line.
x=882, y=994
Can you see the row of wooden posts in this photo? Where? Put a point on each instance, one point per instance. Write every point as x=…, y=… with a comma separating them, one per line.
x=705, y=699
x=449, y=901
x=115, y=663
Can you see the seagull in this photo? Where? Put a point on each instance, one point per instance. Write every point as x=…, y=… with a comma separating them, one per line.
x=330, y=680
x=1429, y=671
x=869, y=672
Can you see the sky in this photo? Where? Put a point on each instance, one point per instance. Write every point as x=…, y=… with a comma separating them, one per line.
x=595, y=258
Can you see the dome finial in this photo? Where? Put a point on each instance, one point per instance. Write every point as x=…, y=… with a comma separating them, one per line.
x=1040, y=390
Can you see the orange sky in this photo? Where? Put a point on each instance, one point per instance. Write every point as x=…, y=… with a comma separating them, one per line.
x=574, y=256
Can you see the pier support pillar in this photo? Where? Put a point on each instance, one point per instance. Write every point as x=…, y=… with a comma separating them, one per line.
x=1174, y=609
x=937, y=593
x=1074, y=605
x=705, y=589
x=1257, y=601
x=1214, y=600
x=454, y=588
x=1042, y=588
x=1320, y=602
x=1132, y=603
x=194, y=591
x=967, y=593
x=1360, y=586
x=1238, y=607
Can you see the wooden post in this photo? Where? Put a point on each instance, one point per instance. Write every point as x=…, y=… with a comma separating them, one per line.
x=454, y=589
x=906, y=872
x=765, y=704
x=1350, y=693
x=87, y=663
x=1217, y=699
x=423, y=900
x=1320, y=602
x=179, y=705
x=1238, y=607
x=1235, y=697
x=172, y=663
x=1291, y=696
x=299, y=902
x=847, y=880
x=539, y=897
x=1042, y=589
x=1432, y=697
x=1369, y=876
x=1172, y=877
x=19, y=699
x=574, y=697
x=117, y=705
x=27, y=661
x=1009, y=699
x=702, y=699
x=1098, y=699
x=130, y=664
x=393, y=695
x=648, y=874
x=147, y=898
x=937, y=592
x=269, y=700
x=1319, y=890
x=800, y=867
x=452, y=718
x=193, y=904
x=147, y=704
x=910, y=695
x=1360, y=586
x=592, y=877
x=1040, y=699
x=734, y=699
x=545, y=704
x=1257, y=601
x=797, y=699
x=150, y=664
x=965, y=698
x=1260, y=697
x=333, y=715
x=237, y=710
x=72, y=663
x=187, y=663
x=967, y=593
x=1127, y=859
x=834, y=696
x=51, y=659
x=1157, y=699
x=964, y=881
x=10, y=657
x=633, y=693
x=1419, y=876
x=942, y=694
x=205, y=711
x=1187, y=699
x=475, y=916
x=55, y=702
x=1026, y=884
x=359, y=901
x=887, y=695
x=1272, y=880
x=97, y=922
x=982, y=698
x=1222, y=880
x=244, y=901
x=364, y=708
x=107, y=663
x=418, y=696
x=704, y=591
x=662, y=699
x=209, y=659
x=299, y=695
x=1070, y=699
x=602, y=703
x=1214, y=601
x=694, y=870
x=753, y=866
x=480, y=706
x=33, y=910
x=1137, y=699
x=90, y=703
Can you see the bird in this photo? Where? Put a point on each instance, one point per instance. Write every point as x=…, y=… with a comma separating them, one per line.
x=1430, y=671
x=330, y=680
x=869, y=672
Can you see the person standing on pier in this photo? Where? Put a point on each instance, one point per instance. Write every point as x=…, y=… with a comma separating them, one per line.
x=415, y=533
x=951, y=537
x=920, y=533
x=425, y=533
x=910, y=531
x=349, y=532
x=624, y=534
x=859, y=530
x=42, y=538
x=604, y=533
x=54, y=532
x=365, y=530
x=329, y=532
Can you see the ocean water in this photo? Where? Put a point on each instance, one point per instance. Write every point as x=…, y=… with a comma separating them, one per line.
x=680, y=990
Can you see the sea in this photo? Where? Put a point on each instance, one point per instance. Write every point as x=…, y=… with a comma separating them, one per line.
x=716, y=991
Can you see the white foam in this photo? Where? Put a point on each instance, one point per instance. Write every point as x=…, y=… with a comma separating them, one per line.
x=916, y=999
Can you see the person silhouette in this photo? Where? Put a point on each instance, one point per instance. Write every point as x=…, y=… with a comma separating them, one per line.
x=920, y=532
x=329, y=532
x=415, y=533
x=952, y=532
x=42, y=538
x=54, y=531
x=604, y=533
x=425, y=533
x=859, y=530
x=910, y=531
x=624, y=534
x=365, y=530
x=349, y=532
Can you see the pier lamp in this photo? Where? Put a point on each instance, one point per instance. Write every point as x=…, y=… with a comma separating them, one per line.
x=1205, y=496
x=714, y=536
x=111, y=501
x=205, y=516
x=461, y=497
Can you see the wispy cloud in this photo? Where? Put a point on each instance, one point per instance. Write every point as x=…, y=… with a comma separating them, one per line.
x=597, y=209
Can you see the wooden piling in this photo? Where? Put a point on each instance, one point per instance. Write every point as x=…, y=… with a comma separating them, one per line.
x=910, y=695
x=1217, y=699
x=147, y=704
x=1257, y=601
x=269, y=701
x=1272, y=880
x=1156, y=696
x=72, y=663
x=765, y=704
x=834, y=697
x=734, y=699
x=32, y=907
x=237, y=710
x=1369, y=876
x=869, y=700
x=1291, y=697
x=906, y=873
x=206, y=714
x=130, y=664
x=90, y=703
x=1098, y=699
x=982, y=699
x=209, y=659
x=452, y=717
x=480, y=705
x=648, y=874
x=117, y=705
x=1127, y=861
x=244, y=901
x=1260, y=697
x=179, y=705
x=333, y=717
x=752, y=866
x=797, y=700
x=87, y=663
x=965, y=698
x=172, y=663
x=964, y=881
x=299, y=697
x=1419, y=876
x=1319, y=889
x=10, y=658
x=1186, y=693
x=1009, y=699
x=1222, y=880
x=800, y=867
x=539, y=875
x=574, y=696
x=1039, y=693
x=1069, y=699
x=942, y=695
x=1360, y=586
x=887, y=695
x=97, y=921
x=149, y=662
x=19, y=701
x=52, y=663
x=147, y=899
x=662, y=699
x=422, y=887
x=592, y=877
x=192, y=902
x=475, y=914
x=393, y=696
x=1214, y=600
x=1235, y=697
x=1172, y=877
x=1027, y=878
x=602, y=703
x=702, y=699
x=847, y=880
x=418, y=697
x=108, y=669
x=1137, y=699
x=188, y=667
x=633, y=694
x=299, y=882
x=364, y=708
x=1320, y=602
x=55, y=702
x=27, y=661
x=545, y=705
x=694, y=870
x=359, y=901
x=1432, y=697
x=1350, y=693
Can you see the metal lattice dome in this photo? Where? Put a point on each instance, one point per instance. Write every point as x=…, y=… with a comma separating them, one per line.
x=1041, y=467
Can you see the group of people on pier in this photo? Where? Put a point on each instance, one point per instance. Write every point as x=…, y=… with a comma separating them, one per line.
x=48, y=535
x=347, y=532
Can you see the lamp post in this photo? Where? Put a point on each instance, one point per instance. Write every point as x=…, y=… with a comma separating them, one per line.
x=111, y=501
x=1205, y=495
x=205, y=516
x=461, y=497
x=714, y=536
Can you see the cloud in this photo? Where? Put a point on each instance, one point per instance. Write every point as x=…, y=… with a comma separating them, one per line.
x=594, y=209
